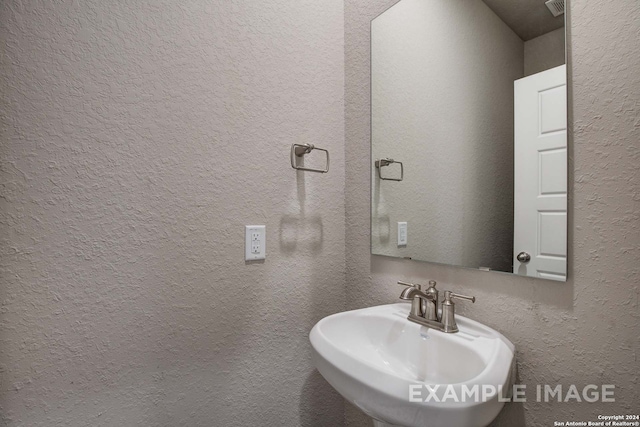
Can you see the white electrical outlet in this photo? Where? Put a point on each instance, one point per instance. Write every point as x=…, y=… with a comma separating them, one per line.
x=255, y=242
x=402, y=234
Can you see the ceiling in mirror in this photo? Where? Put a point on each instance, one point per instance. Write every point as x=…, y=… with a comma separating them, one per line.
x=469, y=135
x=527, y=18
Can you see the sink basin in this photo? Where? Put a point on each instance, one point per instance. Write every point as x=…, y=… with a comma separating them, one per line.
x=404, y=374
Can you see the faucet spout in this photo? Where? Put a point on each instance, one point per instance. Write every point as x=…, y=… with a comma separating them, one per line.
x=422, y=303
x=414, y=294
x=409, y=293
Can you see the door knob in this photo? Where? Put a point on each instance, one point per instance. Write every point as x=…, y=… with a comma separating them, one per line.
x=524, y=257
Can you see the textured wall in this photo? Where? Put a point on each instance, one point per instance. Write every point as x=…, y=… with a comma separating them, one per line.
x=138, y=138
x=583, y=331
x=544, y=52
x=451, y=126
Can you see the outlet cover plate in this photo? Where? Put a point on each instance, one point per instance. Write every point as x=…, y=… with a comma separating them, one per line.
x=402, y=234
x=255, y=242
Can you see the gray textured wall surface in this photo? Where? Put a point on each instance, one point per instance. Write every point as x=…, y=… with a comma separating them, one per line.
x=544, y=52
x=583, y=331
x=137, y=140
x=442, y=99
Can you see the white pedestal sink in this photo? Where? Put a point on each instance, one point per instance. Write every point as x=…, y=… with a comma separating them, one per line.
x=404, y=374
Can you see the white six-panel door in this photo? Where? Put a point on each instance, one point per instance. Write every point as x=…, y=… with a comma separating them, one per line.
x=540, y=204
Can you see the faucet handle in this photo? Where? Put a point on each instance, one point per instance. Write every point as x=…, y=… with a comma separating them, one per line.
x=411, y=285
x=448, y=311
x=448, y=296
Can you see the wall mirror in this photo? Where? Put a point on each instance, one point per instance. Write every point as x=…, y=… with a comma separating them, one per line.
x=469, y=138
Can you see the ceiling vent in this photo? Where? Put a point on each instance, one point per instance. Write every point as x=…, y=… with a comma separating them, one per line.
x=556, y=7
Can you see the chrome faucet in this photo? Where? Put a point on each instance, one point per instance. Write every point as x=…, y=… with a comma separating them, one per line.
x=425, y=304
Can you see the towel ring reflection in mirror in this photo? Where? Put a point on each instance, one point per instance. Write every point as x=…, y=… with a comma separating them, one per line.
x=386, y=162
